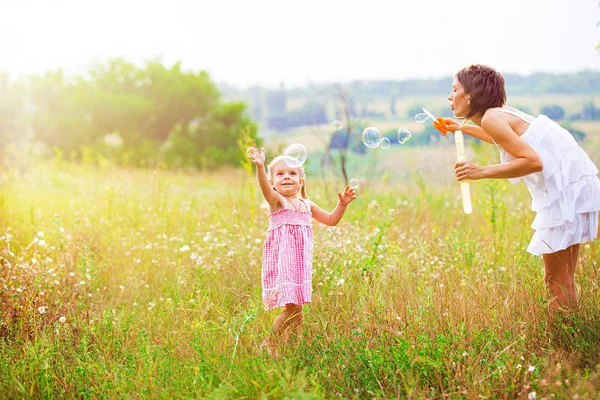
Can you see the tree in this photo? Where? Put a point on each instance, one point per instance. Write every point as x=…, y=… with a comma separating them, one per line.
x=145, y=107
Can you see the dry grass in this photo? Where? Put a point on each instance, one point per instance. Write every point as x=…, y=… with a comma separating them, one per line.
x=158, y=278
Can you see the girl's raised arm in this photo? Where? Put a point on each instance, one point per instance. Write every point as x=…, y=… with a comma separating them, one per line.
x=258, y=158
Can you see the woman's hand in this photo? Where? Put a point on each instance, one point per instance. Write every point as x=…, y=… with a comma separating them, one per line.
x=452, y=125
x=468, y=170
x=347, y=196
x=445, y=125
x=257, y=157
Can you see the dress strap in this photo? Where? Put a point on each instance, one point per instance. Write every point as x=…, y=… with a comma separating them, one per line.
x=306, y=203
x=517, y=113
x=284, y=201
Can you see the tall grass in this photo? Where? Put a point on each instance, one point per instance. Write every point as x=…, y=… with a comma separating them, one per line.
x=124, y=283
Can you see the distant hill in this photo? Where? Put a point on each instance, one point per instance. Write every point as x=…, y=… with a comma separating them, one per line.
x=284, y=108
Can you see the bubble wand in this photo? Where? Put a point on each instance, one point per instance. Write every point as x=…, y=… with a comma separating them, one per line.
x=459, y=143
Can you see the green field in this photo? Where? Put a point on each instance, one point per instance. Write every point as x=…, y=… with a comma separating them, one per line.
x=121, y=283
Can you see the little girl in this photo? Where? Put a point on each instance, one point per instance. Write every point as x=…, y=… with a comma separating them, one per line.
x=287, y=253
x=559, y=175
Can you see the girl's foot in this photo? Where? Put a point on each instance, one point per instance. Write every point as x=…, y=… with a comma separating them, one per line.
x=268, y=345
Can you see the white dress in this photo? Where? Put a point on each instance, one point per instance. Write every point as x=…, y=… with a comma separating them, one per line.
x=565, y=194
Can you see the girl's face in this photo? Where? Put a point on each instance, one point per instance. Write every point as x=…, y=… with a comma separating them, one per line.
x=286, y=180
x=459, y=100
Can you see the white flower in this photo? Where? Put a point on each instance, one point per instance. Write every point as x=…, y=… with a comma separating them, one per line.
x=62, y=320
x=42, y=309
x=465, y=354
x=340, y=282
x=531, y=369
x=42, y=243
x=185, y=248
x=40, y=234
x=531, y=395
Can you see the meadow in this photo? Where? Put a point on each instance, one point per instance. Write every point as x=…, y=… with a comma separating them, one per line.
x=125, y=283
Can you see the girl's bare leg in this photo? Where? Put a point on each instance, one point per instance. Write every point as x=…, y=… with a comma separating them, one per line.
x=290, y=317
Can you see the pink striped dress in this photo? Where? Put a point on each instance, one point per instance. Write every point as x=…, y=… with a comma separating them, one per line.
x=287, y=257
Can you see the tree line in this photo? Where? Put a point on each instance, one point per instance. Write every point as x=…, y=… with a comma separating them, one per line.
x=134, y=115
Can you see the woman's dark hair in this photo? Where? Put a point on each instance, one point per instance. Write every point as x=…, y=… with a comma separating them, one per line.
x=486, y=87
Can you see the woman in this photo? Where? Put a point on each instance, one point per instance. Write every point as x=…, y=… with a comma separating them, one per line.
x=557, y=172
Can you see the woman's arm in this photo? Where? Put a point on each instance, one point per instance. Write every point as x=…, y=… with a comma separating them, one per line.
x=334, y=217
x=476, y=132
x=526, y=160
x=470, y=130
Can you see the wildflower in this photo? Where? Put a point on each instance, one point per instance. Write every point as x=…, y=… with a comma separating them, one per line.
x=40, y=234
x=42, y=243
x=42, y=309
x=185, y=248
x=531, y=369
x=62, y=320
x=531, y=395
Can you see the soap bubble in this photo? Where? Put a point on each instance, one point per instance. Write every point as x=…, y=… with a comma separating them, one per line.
x=385, y=143
x=354, y=183
x=371, y=137
x=251, y=151
x=337, y=125
x=421, y=118
x=403, y=135
x=295, y=155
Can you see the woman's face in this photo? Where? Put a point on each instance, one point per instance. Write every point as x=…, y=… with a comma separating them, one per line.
x=459, y=100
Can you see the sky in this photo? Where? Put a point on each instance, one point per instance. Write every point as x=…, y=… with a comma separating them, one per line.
x=267, y=42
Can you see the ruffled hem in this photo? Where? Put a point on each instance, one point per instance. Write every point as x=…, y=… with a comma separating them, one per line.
x=583, y=228
x=578, y=198
x=574, y=166
x=287, y=293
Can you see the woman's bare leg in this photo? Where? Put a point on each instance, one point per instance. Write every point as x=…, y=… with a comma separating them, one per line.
x=559, y=276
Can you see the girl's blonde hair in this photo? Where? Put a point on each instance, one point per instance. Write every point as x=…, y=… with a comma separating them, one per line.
x=281, y=159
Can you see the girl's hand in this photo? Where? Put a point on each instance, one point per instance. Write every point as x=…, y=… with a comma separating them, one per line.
x=468, y=170
x=257, y=157
x=347, y=196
